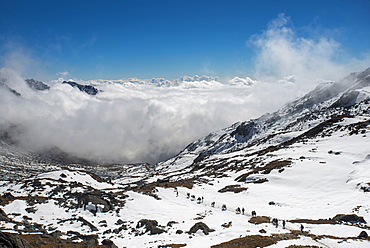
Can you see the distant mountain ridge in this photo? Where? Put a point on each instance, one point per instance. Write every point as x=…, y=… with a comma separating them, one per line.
x=184, y=80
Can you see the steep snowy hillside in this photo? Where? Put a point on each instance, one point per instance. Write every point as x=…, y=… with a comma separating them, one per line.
x=348, y=96
x=298, y=177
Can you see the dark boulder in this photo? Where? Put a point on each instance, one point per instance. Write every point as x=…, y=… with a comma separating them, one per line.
x=200, y=226
x=11, y=240
x=93, y=197
x=352, y=218
x=151, y=226
x=363, y=235
x=109, y=243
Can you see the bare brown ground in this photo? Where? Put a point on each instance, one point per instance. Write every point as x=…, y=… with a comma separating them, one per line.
x=37, y=241
x=31, y=199
x=172, y=246
x=254, y=241
x=309, y=221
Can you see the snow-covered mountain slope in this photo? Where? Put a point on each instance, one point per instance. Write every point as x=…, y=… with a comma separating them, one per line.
x=306, y=165
x=348, y=96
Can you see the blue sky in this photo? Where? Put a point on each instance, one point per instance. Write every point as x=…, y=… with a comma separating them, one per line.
x=160, y=38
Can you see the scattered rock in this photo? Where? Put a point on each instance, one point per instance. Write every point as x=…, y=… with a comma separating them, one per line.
x=31, y=210
x=365, y=187
x=119, y=222
x=227, y=225
x=171, y=223
x=262, y=231
x=71, y=233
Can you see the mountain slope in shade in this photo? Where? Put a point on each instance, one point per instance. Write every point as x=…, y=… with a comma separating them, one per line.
x=37, y=85
x=84, y=88
x=306, y=164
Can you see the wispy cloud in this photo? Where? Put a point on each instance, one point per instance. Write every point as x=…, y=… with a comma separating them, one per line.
x=62, y=73
x=281, y=52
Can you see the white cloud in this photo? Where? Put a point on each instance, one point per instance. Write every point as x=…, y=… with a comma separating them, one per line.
x=126, y=122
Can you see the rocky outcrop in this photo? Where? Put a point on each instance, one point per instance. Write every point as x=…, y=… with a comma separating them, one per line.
x=200, y=226
x=84, y=88
x=37, y=85
x=83, y=222
x=3, y=216
x=353, y=218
